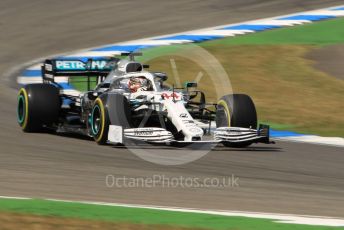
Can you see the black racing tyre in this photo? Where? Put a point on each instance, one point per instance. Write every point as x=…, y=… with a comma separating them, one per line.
x=108, y=109
x=236, y=110
x=38, y=106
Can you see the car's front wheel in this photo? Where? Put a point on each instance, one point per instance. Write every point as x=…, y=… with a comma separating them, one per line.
x=108, y=109
x=236, y=110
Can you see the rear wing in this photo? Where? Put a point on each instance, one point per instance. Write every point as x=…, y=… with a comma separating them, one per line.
x=99, y=68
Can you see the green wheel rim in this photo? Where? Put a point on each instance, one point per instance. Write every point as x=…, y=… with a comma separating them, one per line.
x=21, y=109
x=96, y=120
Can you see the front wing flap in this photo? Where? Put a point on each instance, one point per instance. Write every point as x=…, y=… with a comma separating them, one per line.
x=238, y=135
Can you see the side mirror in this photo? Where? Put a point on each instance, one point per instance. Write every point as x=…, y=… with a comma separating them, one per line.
x=162, y=76
x=92, y=95
x=190, y=84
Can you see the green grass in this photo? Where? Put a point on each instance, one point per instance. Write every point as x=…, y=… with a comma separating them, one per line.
x=81, y=84
x=143, y=216
x=327, y=32
x=319, y=33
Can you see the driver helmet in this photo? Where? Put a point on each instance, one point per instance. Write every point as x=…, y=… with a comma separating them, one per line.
x=137, y=84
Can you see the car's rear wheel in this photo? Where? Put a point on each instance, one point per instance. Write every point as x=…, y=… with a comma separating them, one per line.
x=108, y=109
x=236, y=110
x=38, y=107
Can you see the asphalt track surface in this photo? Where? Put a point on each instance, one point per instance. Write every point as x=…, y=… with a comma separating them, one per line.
x=284, y=178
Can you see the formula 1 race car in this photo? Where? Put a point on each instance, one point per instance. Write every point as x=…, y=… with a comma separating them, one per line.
x=132, y=104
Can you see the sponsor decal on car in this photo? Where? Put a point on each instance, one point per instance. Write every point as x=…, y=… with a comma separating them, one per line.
x=80, y=66
x=143, y=133
x=183, y=115
x=171, y=95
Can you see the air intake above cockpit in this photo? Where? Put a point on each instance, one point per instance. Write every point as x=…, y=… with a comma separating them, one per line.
x=133, y=67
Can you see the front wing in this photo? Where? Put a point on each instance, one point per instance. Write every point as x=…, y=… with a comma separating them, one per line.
x=230, y=135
